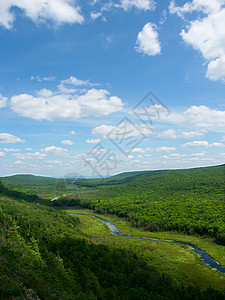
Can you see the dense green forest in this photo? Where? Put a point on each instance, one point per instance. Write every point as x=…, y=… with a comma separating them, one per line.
x=44, y=255
x=47, y=254
x=190, y=201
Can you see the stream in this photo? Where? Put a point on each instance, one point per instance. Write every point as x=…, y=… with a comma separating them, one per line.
x=208, y=260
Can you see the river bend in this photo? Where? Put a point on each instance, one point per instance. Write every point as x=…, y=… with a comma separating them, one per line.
x=208, y=260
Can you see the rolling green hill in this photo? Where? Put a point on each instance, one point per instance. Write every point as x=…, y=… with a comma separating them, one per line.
x=190, y=201
x=45, y=255
x=28, y=180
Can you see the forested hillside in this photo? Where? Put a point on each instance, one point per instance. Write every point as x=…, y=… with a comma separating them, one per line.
x=190, y=201
x=44, y=255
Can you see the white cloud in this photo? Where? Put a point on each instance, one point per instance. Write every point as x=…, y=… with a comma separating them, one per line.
x=163, y=18
x=58, y=151
x=10, y=139
x=185, y=156
x=217, y=145
x=37, y=77
x=74, y=82
x=72, y=132
x=66, y=90
x=99, y=151
x=94, y=2
x=89, y=159
x=93, y=141
x=93, y=102
x=95, y=15
x=165, y=149
x=11, y=150
x=206, y=34
x=40, y=79
x=67, y=142
x=140, y=150
x=2, y=154
x=45, y=93
x=223, y=138
x=122, y=131
x=191, y=134
x=195, y=144
x=197, y=154
x=203, y=116
x=36, y=155
x=39, y=11
x=54, y=162
x=3, y=101
x=147, y=40
x=205, y=6
x=28, y=149
x=216, y=69
x=49, y=78
x=171, y=133
x=139, y=4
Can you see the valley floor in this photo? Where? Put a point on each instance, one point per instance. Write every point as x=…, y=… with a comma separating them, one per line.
x=177, y=261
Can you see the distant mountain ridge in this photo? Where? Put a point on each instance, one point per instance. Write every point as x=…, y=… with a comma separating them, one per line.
x=36, y=180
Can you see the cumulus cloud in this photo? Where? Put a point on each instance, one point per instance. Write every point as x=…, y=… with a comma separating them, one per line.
x=192, y=134
x=67, y=85
x=55, y=11
x=140, y=150
x=195, y=144
x=67, y=142
x=147, y=40
x=10, y=139
x=93, y=141
x=171, y=133
x=36, y=155
x=139, y=4
x=72, y=132
x=122, y=131
x=165, y=149
x=2, y=154
x=217, y=145
x=66, y=106
x=45, y=93
x=203, y=116
x=58, y=151
x=207, y=33
x=11, y=150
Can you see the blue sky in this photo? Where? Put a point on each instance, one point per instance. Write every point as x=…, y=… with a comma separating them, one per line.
x=73, y=75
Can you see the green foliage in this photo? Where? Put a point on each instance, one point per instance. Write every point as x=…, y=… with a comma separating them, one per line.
x=4, y=190
x=190, y=201
x=44, y=254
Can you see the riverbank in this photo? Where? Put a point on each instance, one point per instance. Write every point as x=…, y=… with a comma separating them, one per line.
x=174, y=260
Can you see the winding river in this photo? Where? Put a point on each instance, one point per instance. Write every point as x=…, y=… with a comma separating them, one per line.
x=208, y=260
